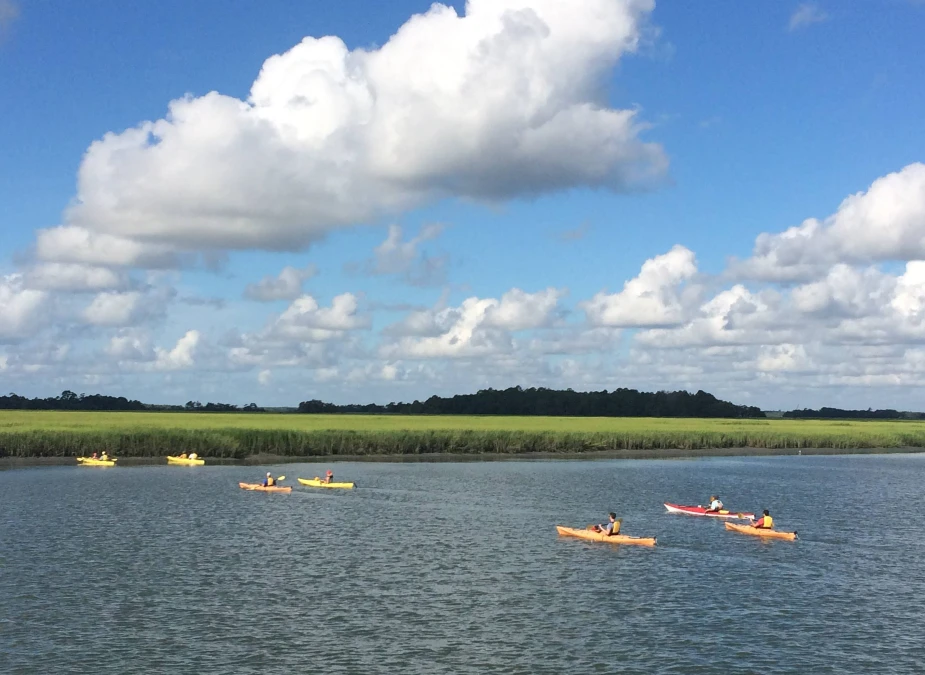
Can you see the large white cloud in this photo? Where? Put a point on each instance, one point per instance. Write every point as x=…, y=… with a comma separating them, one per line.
x=504, y=101
x=887, y=222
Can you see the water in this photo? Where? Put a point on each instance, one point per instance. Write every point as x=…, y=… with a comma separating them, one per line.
x=457, y=568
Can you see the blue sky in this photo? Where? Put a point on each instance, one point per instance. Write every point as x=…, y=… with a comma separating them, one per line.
x=577, y=196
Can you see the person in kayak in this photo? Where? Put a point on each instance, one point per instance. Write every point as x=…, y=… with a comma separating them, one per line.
x=611, y=528
x=329, y=477
x=183, y=455
x=193, y=455
x=715, y=505
x=104, y=456
x=94, y=456
x=766, y=522
x=269, y=481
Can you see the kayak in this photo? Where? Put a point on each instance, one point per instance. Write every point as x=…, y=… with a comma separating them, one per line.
x=761, y=532
x=317, y=482
x=263, y=488
x=89, y=461
x=701, y=511
x=600, y=536
x=185, y=460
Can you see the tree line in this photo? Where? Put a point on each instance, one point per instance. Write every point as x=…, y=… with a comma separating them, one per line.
x=68, y=400
x=554, y=403
x=839, y=414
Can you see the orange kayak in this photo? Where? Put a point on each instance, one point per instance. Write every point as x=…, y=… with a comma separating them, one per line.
x=761, y=532
x=600, y=536
x=261, y=488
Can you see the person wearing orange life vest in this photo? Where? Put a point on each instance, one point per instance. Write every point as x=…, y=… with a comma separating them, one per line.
x=765, y=522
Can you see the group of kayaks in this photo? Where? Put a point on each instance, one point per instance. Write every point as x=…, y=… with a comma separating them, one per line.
x=594, y=534
x=308, y=482
x=590, y=533
x=727, y=515
x=111, y=461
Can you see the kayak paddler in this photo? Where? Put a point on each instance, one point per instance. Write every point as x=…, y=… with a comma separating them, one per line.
x=94, y=456
x=715, y=504
x=766, y=522
x=611, y=528
x=193, y=455
x=329, y=477
x=183, y=455
x=104, y=456
x=269, y=481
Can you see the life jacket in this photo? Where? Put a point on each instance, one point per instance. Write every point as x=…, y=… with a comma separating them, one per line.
x=765, y=522
x=271, y=481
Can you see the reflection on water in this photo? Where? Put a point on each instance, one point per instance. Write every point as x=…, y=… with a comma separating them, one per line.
x=457, y=568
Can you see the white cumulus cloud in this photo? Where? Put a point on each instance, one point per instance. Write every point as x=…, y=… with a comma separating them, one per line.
x=502, y=102
x=654, y=298
x=887, y=222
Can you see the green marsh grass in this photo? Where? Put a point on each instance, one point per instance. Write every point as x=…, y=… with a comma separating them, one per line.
x=238, y=436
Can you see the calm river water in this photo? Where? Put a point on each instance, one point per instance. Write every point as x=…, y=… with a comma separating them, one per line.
x=457, y=568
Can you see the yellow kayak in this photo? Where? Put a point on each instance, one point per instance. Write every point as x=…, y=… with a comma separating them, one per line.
x=317, y=482
x=89, y=461
x=761, y=532
x=609, y=538
x=185, y=460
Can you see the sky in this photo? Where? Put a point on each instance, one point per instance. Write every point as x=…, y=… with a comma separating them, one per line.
x=286, y=200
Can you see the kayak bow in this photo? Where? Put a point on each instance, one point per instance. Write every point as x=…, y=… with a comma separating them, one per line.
x=89, y=461
x=761, y=532
x=317, y=482
x=701, y=511
x=600, y=536
x=185, y=460
x=263, y=488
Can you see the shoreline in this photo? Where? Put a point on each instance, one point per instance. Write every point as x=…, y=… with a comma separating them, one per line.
x=671, y=453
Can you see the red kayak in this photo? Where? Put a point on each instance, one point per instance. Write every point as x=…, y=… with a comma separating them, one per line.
x=701, y=511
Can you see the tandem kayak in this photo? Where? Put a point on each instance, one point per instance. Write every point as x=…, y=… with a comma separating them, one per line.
x=761, y=532
x=89, y=461
x=600, y=536
x=701, y=511
x=264, y=488
x=186, y=461
x=317, y=482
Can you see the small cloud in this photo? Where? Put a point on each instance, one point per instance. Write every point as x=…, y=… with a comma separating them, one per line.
x=575, y=234
x=9, y=12
x=710, y=121
x=197, y=301
x=286, y=286
x=264, y=377
x=807, y=14
x=405, y=259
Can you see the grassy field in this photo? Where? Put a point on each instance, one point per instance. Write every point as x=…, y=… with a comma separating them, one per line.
x=58, y=434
